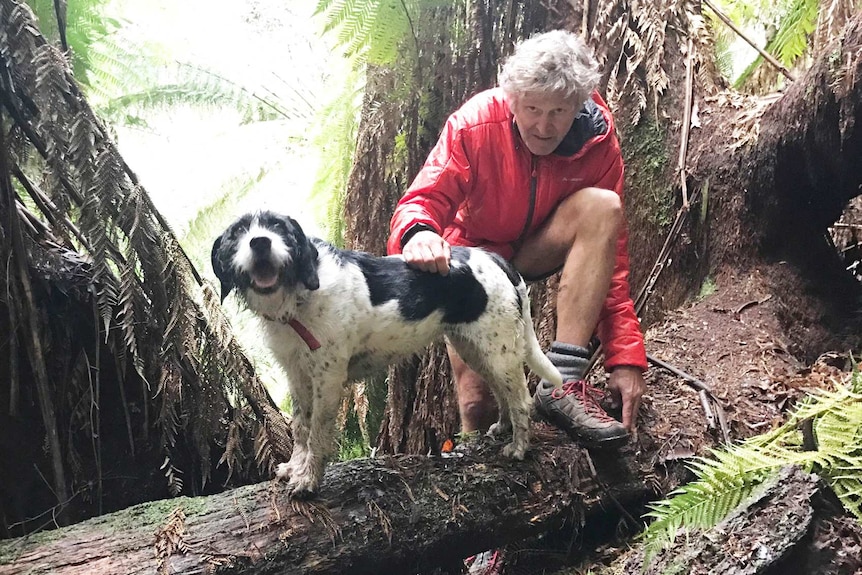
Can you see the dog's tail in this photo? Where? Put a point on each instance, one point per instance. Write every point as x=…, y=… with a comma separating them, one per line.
x=536, y=358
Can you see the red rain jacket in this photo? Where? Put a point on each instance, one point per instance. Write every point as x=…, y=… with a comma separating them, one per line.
x=481, y=186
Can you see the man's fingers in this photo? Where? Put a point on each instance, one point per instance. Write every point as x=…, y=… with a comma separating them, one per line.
x=428, y=252
x=442, y=264
x=627, y=414
x=630, y=412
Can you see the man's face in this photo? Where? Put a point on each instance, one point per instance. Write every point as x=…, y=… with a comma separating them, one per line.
x=543, y=119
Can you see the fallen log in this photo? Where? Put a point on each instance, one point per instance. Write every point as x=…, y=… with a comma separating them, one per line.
x=382, y=515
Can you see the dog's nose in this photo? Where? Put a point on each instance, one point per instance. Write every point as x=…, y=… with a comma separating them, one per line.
x=260, y=244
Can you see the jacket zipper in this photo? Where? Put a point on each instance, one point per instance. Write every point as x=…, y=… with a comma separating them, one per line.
x=534, y=178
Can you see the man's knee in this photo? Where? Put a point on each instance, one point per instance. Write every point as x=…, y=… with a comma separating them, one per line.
x=595, y=208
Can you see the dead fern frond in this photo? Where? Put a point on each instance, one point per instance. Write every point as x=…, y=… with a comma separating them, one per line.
x=263, y=453
x=172, y=474
x=360, y=405
x=170, y=539
x=636, y=55
x=170, y=389
x=233, y=454
x=746, y=124
x=146, y=292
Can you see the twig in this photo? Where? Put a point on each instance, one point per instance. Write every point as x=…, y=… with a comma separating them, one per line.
x=692, y=381
x=707, y=410
x=51, y=510
x=843, y=226
x=704, y=392
x=722, y=422
x=686, y=123
x=121, y=381
x=628, y=516
x=584, y=18
x=766, y=56
x=60, y=13
x=95, y=379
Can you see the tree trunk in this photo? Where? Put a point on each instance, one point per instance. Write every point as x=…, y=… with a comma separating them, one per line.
x=779, y=171
x=393, y=514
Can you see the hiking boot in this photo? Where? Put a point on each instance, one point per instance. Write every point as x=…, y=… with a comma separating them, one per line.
x=575, y=407
x=486, y=563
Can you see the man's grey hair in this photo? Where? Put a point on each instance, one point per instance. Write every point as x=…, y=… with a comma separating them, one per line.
x=557, y=62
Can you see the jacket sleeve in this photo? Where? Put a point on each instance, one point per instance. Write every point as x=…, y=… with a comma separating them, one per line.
x=619, y=328
x=438, y=189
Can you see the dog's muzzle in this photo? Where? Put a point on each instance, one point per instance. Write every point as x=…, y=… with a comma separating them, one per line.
x=264, y=273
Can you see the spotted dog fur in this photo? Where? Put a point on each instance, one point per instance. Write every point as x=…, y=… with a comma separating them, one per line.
x=367, y=312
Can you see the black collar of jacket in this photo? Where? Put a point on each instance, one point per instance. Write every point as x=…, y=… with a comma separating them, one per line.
x=589, y=122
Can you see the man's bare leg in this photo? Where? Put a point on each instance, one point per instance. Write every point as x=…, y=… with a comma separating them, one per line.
x=581, y=236
x=476, y=403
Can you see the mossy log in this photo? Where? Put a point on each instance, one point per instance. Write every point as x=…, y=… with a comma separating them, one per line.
x=383, y=515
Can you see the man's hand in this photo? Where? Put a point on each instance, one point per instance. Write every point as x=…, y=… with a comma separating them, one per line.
x=627, y=385
x=427, y=251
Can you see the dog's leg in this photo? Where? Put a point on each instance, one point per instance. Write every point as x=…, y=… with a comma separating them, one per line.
x=503, y=424
x=503, y=369
x=302, y=398
x=509, y=386
x=328, y=390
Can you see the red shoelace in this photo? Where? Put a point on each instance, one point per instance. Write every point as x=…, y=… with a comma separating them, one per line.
x=587, y=394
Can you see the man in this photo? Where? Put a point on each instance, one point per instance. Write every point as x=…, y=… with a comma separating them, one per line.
x=532, y=170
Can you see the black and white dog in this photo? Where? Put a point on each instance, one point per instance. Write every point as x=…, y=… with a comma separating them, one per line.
x=331, y=316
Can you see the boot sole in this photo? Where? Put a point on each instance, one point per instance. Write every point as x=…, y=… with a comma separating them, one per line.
x=605, y=443
x=609, y=443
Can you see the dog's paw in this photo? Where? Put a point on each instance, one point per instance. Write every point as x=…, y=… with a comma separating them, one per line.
x=515, y=450
x=283, y=471
x=302, y=487
x=498, y=429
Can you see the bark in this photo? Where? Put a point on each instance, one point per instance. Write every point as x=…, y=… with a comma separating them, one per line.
x=386, y=515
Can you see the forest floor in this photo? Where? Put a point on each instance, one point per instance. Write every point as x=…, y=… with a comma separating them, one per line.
x=739, y=340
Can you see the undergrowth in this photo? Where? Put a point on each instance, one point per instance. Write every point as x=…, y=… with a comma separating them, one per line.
x=831, y=448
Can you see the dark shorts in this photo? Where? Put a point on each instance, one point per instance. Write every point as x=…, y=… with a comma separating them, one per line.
x=533, y=279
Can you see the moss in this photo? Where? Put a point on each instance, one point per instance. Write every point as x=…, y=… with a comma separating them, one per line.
x=707, y=288
x=146, y=516
x=646, y=161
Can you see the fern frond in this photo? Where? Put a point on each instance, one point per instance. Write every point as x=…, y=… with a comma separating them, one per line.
x=173, y=476
x=846, y=482
x=338, y=12
x=791, y=38
x=336, y=140
x=370, y=30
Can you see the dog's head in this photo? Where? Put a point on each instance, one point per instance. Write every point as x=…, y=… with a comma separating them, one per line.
x=262, y=253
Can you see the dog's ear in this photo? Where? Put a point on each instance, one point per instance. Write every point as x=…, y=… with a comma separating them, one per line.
x=225, y=278
x=307, y=261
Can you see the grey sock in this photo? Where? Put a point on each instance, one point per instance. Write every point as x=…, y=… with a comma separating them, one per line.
x=571, y=360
